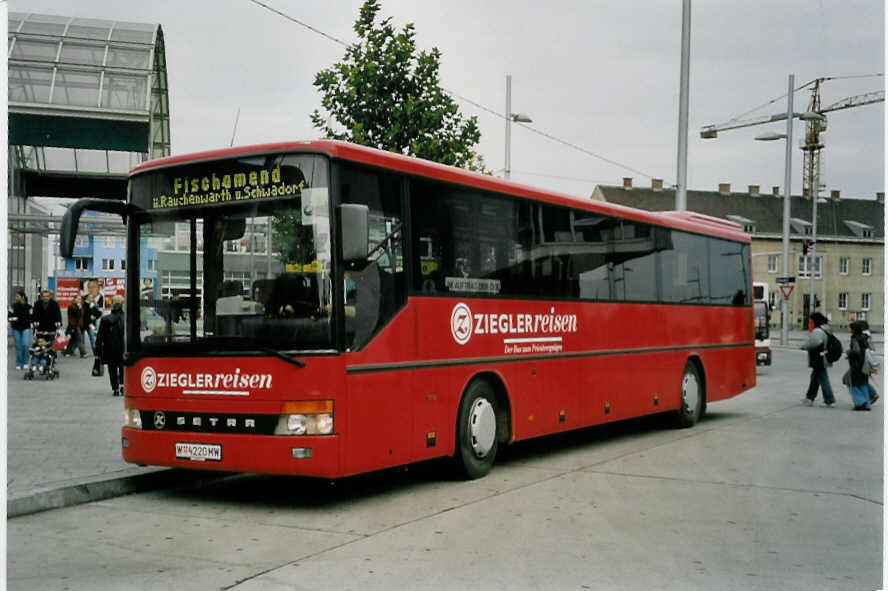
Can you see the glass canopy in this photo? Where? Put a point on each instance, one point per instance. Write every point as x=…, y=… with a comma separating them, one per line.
x=86, y=95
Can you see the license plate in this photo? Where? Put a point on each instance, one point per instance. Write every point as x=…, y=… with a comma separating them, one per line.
x=199, y=452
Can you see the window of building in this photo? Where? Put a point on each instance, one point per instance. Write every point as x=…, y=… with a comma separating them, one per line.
x=866, y=266
x=123, y=264
x=843, y=265
x=772, y=263
x=107, y=264
x=81, y=263
x=843, y=301
x=865, y=301
x=109, y=241
x=805, y=263
x=152, y=265
x=82, y=241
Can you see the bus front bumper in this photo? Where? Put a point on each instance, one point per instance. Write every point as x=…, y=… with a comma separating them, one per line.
x=267, y=454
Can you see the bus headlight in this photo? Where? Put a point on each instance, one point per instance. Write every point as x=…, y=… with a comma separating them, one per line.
x=306, y=418
x=132, y=418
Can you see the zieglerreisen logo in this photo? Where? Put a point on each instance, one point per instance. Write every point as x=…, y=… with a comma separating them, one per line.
x=461, y=323
x=149, y=379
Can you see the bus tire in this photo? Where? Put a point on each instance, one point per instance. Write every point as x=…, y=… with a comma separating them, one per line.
x=693, y=397
x=476, y=430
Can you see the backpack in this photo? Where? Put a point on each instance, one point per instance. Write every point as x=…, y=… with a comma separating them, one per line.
x=833, y=348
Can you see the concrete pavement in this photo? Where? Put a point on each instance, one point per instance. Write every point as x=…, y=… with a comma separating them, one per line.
x=63, y=444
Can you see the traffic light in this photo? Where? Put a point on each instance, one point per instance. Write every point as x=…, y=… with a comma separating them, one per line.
x=805, y=247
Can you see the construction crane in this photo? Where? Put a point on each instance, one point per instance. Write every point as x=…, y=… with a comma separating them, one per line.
x=814, y=126
x=811, y=149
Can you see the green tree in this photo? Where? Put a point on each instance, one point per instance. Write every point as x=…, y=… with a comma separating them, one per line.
x=387, y=95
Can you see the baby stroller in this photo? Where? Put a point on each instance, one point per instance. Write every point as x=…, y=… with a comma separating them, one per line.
x=43, y=357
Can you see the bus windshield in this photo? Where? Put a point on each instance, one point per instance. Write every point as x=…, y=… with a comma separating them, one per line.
x=235, y=254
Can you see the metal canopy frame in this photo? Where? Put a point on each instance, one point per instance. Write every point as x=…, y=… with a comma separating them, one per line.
x=87, y=97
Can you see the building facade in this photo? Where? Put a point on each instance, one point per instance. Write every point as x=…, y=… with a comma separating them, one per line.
x=847, y=259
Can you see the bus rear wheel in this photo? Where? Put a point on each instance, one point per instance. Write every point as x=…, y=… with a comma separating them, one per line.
x=476, y=425
x=693, y=397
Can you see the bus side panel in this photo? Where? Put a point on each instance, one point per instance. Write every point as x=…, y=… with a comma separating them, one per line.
x=434, y=414
x=380, y=421
x=623, y=386
x=554, y=404
x=728, y=372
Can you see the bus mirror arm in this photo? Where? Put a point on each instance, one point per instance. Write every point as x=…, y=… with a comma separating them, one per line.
x=355, y=232
x=72, y=218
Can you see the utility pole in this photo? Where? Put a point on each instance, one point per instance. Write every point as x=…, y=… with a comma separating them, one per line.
x=681, y=193
x=787, y=195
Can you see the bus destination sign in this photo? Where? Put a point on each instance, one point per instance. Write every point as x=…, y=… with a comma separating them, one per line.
x=228, y=187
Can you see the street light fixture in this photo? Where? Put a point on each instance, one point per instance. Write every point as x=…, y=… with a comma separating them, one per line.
x=770, y=136
x=510, y=117
x=787, y=194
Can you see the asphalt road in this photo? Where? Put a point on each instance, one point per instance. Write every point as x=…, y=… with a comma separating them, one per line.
x=764, y=493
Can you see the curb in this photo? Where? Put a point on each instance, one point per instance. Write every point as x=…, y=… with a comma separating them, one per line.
x=98, y=488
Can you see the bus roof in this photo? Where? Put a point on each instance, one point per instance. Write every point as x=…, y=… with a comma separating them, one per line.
x=689, y=221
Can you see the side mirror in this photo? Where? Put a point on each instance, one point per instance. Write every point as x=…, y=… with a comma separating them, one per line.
x=72, y=218
x=355, y=231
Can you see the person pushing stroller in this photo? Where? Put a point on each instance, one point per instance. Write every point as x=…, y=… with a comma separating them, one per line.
x=43, y=357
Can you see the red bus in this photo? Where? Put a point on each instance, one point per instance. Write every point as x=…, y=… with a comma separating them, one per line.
x=325, y=309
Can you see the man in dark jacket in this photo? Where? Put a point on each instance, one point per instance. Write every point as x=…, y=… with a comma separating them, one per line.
x=109, y=344
x=47, y=315
x=816, y=347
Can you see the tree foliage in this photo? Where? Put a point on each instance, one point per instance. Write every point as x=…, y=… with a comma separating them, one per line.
x=387, y=95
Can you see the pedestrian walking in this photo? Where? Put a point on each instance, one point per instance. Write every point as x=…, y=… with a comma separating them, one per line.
x=858, y=376
x=872, y=360
x=109, y=344
x=92, y=312
x=817, y=361
x=76, y=324
x=20, y=317
x=46, y=316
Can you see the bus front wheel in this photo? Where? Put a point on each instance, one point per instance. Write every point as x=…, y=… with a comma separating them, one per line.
x=693, y=397
x=476, y=440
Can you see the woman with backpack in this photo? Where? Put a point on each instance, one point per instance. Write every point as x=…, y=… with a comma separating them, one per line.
x=816, y=346
x=109, y=344
x=858, y=377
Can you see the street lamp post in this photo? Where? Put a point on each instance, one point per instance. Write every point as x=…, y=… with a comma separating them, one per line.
x=510, y=116
x=787, y=182
x=787, y=193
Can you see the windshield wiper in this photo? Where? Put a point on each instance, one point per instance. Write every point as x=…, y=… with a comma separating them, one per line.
x=281, y=355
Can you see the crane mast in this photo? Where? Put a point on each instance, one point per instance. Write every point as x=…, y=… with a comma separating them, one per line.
x=811, y=149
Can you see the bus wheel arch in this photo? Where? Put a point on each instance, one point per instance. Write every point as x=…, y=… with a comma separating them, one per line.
x=482, y=425
x=692, y=393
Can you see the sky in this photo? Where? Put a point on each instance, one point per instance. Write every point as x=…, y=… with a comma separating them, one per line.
x=600, y=75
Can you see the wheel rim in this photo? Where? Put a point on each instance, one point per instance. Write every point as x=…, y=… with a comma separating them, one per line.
x=482, y=427
x=690, y=392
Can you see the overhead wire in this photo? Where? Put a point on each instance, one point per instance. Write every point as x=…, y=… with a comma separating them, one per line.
x=802, y=87
x=464, y=99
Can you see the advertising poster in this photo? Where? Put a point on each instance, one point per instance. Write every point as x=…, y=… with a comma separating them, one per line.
x=65, y=290
x=113, y=287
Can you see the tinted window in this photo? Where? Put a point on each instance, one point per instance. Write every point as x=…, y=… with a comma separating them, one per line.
x=684, y=269
x=472, y=243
